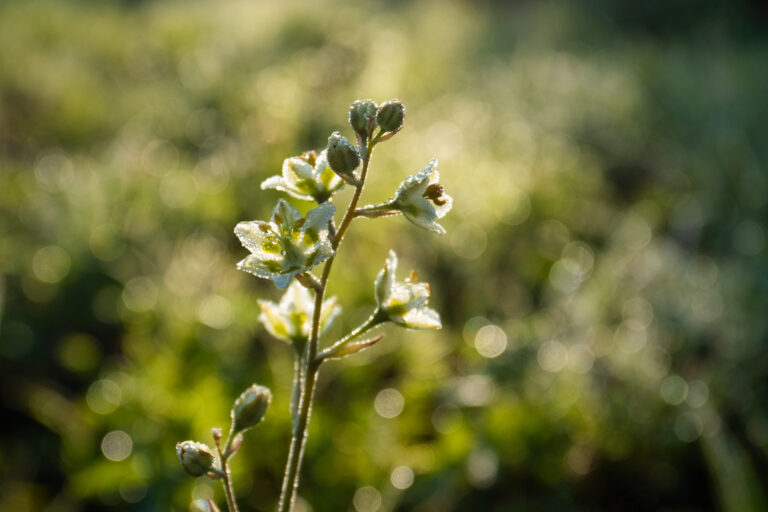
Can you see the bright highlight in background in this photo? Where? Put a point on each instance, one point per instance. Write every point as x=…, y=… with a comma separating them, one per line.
x=367, y=499
x=490, y=341
x=402, y=477
x=116, y=445
x=389, y=403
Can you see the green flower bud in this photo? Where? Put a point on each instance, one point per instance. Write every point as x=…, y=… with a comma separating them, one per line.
x=196, y=458
x=362, y=116
x=250, y=407
x=390, y=116
x=343, y=158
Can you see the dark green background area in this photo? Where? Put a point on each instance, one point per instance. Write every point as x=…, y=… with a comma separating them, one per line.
x=603, y=284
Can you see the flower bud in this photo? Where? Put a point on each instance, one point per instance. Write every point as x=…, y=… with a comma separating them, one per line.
x=250, y=407
x=196, y=458
x=390, y=116
x=343, y=157
x=362, y=114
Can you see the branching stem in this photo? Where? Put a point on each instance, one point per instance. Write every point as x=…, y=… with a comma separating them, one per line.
x=311, y=361
x=372, y=321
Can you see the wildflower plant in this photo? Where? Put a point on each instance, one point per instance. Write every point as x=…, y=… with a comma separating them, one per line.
x=297, y=253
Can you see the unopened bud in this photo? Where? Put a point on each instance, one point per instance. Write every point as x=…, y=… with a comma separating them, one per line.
x=343, y=157
x=362, y=117
x=250, y=407
x=196, y=458
x=390, y=116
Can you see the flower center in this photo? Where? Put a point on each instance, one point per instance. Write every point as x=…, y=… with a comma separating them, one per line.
x=434, y=192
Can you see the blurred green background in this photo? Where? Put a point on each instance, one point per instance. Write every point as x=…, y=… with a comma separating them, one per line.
x=603, y=283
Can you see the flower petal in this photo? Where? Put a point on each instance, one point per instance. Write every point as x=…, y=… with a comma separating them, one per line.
x=265, y=269
x=408, y=295
x=421, y=212
x=296, y=169
x=328, y=313
x=411, y=201
x=274, y=321
x=259, y=238
x=423, y=318
x=385, y=280
x=278, y=183
x=288, y=215
x=327, y=180
x=296, y=298
x=318, y=217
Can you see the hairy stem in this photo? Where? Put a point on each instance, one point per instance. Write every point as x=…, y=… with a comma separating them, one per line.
x=372, y=321
x=312, y=364
x=227, y=479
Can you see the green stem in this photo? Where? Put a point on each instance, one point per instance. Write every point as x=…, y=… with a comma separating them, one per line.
x=373, y=211
x=227, y=478
x=372, y=321
x=298, y=373
x=312, y=365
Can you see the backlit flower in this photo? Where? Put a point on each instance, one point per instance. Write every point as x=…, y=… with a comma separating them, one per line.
x=307, y=177
x=288, y=244
x=421, y=199
x=404, y=304
x=291, y=319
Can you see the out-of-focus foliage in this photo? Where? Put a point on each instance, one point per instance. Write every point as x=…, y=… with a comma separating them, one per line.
x=603, y=283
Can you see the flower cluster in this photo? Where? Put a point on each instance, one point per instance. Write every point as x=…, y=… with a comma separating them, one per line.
x=290, y=245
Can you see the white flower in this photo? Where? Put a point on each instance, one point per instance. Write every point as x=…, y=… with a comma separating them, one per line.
x=421, y=199
x=307, y=177
x=291, y=319
x=288, y=244
x=404, y=304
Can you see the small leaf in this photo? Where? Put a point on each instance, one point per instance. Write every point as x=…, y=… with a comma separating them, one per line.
x=352, y=348
x=215, y=474
x=235, y=445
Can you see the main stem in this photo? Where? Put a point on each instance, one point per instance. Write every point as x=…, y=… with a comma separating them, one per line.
x=312, y=365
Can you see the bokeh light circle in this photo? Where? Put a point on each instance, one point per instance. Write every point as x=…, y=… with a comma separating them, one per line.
x=116, y=445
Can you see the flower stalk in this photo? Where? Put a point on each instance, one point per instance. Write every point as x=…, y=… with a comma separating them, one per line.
x=226, y=479
x=287, y=247
x=311, y=361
